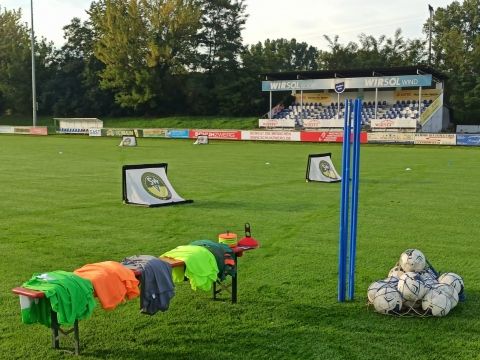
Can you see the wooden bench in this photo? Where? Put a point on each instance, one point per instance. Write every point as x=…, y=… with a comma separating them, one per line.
x=57, y=331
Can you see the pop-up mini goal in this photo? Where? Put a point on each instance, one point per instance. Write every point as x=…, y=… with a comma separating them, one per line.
x=320, y=168
x=148, y=185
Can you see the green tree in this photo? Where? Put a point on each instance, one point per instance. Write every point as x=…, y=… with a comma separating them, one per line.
x=372, y=52
x=15, y=64
x=74, y=90
x=456, y=51
x=217, y=57
x=45, y=70
x=142, y=44
x=246, y=97
x=339, y=57
x=280, y=55
x=220, y=37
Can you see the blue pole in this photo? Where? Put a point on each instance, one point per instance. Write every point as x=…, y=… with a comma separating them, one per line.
x=342, y=256
x=354, y=208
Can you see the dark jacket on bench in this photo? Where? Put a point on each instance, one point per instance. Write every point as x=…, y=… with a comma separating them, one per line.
x=157, y=288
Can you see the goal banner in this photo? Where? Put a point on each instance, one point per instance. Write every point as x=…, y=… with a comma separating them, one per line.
x=320, y=168
x=148, y=185
x=128, y=140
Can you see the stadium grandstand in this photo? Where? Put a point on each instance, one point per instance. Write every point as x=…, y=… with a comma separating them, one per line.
x=408, y=99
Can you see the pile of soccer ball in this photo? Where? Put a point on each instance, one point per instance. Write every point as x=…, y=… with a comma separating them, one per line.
x=412, y=287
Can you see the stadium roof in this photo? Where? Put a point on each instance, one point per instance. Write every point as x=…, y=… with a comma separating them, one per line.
x=352, y=73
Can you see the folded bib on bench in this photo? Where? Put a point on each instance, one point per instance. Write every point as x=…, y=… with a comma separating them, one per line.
x=70, y=296
x=200, y=266
x=223, y=255
x=113, y=282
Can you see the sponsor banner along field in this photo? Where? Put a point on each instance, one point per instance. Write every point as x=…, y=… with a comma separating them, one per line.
x=24, y=130
x=327, y=123
x=94, y=132
x=21, y=130
x=393, y=123
x=6, y=129
x=271, y=135
x=328, y=136
x=39, y=131
x=178, y=133
x=435, y=139
x=217, y=134
x=155, y=133
x=391, y=137
x=279, y=123
x=468, y=139
x=121, y=132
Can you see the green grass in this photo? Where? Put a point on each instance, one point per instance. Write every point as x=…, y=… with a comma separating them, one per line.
x=63, y=210
x=189, y=122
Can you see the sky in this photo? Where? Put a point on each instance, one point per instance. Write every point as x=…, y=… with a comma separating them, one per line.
x=305, y=20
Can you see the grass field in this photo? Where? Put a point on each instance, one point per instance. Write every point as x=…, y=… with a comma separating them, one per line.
x=61, y=208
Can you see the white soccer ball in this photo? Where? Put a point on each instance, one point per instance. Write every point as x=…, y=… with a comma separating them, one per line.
x=412, y=260
x=428, y=278
x=448, y=290
x=453, y=300
x=387, y=300
x=452, y=279
x=396, y=271
x=431, y=272
x=411, y=286
x=375, y=286
x=444, y=288
x=392, y=280
x=436, y=303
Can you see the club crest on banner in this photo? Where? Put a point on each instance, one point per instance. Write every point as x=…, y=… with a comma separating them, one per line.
x=128, y=140
x=340, y=87
x=327, y=170
x=201, y=140
x=148, y=185
x=154, y=185
x=320, y=168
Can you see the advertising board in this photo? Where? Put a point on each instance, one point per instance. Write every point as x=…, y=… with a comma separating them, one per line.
x=435, y=139
x=217, y=134
x=271, y=135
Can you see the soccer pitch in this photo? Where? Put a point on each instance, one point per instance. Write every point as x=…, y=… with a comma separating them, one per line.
x=61, y=208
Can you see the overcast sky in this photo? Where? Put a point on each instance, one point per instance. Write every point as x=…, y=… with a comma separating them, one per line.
x=305, y=20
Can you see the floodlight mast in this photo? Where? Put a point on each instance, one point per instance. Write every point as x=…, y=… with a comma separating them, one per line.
x=34, y=92
x=430, y=9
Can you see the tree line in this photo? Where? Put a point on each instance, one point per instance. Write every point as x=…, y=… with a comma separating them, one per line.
x=164, y=57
